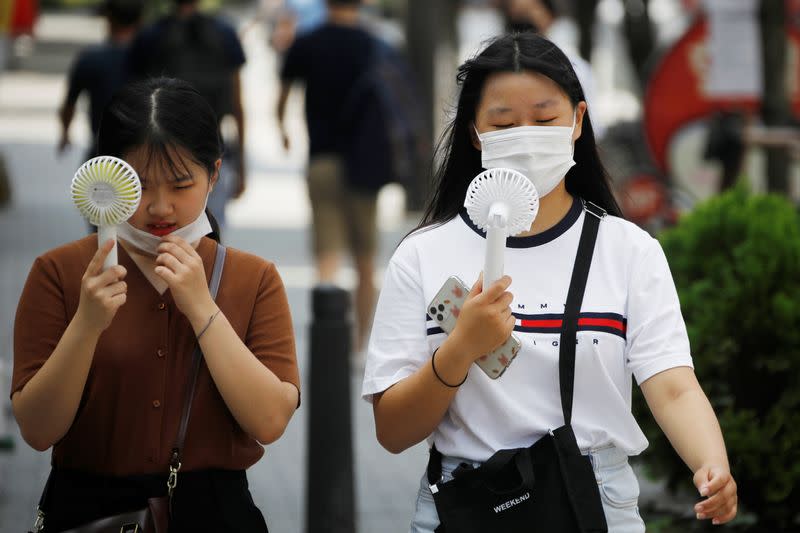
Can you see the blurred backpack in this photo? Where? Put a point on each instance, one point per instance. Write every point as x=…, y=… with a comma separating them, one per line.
x=193, y=50
x=382, y=127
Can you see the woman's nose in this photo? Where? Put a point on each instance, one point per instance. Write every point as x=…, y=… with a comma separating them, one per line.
x=160, y=203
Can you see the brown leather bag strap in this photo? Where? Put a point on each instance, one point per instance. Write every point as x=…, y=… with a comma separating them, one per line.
x=175, y=460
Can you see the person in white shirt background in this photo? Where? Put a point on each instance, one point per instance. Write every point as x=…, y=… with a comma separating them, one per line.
x=544, y=17
x=518, y=91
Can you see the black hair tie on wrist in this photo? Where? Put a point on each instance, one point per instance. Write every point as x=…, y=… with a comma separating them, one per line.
x=443, y=382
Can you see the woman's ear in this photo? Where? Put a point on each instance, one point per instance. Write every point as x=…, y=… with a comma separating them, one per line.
x=473, y=135
x=580, y=110
x=215, y=177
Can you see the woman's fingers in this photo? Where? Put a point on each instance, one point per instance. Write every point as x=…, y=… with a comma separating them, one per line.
x=496, y=289
x=95, y=284
x=169, y=261
x=166, y=274
x=717, y=484
x=717, y=502
x=114, y=289
x=710, y=479
x=112, y=275
x=96, y=264
x=175, y=250
x=729, y=515
x=476, y=287
x=118, y=300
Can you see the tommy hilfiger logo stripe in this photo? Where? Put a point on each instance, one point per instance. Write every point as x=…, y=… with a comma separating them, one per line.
x=551, y=323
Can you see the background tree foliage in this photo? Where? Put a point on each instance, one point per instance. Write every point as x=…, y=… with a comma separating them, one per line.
x=736, y=263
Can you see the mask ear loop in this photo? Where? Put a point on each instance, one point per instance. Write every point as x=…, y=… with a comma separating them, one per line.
x=477, y=133
x=574, y=124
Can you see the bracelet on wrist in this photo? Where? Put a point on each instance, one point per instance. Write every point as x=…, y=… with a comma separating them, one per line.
x=210, y=320
x=443, y=382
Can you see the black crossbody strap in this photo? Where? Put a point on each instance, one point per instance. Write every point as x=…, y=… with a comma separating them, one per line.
x=434, y=470
x=577, y=286
x=216, y=276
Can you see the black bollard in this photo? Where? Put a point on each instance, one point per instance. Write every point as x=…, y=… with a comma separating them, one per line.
x=329, y=478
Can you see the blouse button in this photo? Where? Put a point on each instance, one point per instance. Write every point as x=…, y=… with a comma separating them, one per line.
x=156, y=404
x=162, y=306
x=161, y=353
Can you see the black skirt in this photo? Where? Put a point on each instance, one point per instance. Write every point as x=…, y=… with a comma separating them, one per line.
x=204, y=500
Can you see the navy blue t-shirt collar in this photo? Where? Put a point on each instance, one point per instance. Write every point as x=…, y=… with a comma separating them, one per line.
x=540, y=238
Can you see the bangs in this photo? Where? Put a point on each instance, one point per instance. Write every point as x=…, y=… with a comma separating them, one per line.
x=161, y=160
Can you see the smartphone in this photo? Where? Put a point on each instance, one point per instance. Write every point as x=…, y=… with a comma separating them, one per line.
x=444, y=310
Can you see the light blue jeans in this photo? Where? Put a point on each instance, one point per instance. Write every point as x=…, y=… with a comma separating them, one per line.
x=619, y=492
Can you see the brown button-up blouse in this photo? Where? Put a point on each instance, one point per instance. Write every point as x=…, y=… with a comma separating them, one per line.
x=128, y=417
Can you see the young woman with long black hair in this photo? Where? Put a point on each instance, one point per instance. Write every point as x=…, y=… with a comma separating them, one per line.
x=521, y=106
x=102, y=358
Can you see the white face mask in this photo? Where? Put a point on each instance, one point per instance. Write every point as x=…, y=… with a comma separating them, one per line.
x=148, y=243
x=542, y=153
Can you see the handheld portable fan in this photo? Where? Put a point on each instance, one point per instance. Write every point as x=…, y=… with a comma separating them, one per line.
x=502, y=202
x=106, y=190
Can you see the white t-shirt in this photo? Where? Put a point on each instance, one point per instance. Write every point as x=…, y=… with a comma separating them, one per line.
x=630, y=324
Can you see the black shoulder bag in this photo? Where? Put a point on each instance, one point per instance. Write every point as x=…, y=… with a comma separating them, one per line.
x=548, y=487
x=154, y=518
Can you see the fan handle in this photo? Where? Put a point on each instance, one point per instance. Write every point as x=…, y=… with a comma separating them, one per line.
x=104, y=233
x=496, y=234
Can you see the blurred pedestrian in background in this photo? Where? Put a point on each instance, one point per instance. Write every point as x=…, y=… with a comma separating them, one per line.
x=102, y=358
x=330, y=61
x=308, y=14
x=205, y=51
x=288, y=19
x=101, y=70
x=544, y=17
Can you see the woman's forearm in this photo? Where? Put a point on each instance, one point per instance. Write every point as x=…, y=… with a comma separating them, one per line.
x=260, y=402
x=410, y=411
x=684, y=413
x=46, y=406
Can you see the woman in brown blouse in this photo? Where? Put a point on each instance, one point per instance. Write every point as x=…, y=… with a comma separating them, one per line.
x=102, y=358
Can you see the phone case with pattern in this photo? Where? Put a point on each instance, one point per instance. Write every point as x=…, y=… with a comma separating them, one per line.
x=444, y=310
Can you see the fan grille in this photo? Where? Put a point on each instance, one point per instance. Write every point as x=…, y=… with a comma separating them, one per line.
x=106, y=190
x=507, y=186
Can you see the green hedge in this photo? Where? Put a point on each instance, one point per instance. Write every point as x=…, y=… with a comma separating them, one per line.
x=736, y=263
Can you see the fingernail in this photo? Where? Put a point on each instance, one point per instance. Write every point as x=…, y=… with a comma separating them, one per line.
x=703, y=490
x=700, y=516
x=715, y=522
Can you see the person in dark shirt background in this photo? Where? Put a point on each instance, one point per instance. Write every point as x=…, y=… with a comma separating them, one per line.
x=329, y=61
x=100, y=70
x=204, y=51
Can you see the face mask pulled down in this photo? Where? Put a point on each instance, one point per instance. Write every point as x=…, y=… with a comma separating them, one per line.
x=543, y=154
x=148, y=243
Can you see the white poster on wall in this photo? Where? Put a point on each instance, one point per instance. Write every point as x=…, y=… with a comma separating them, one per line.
x=734, y=49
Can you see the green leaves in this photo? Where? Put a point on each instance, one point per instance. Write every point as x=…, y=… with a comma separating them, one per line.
x=736, y=264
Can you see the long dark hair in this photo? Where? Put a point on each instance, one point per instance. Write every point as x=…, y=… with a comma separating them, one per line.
x=162, y=114
x=459, y=161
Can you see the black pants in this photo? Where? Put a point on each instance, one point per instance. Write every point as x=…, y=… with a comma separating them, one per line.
x=205, y=500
